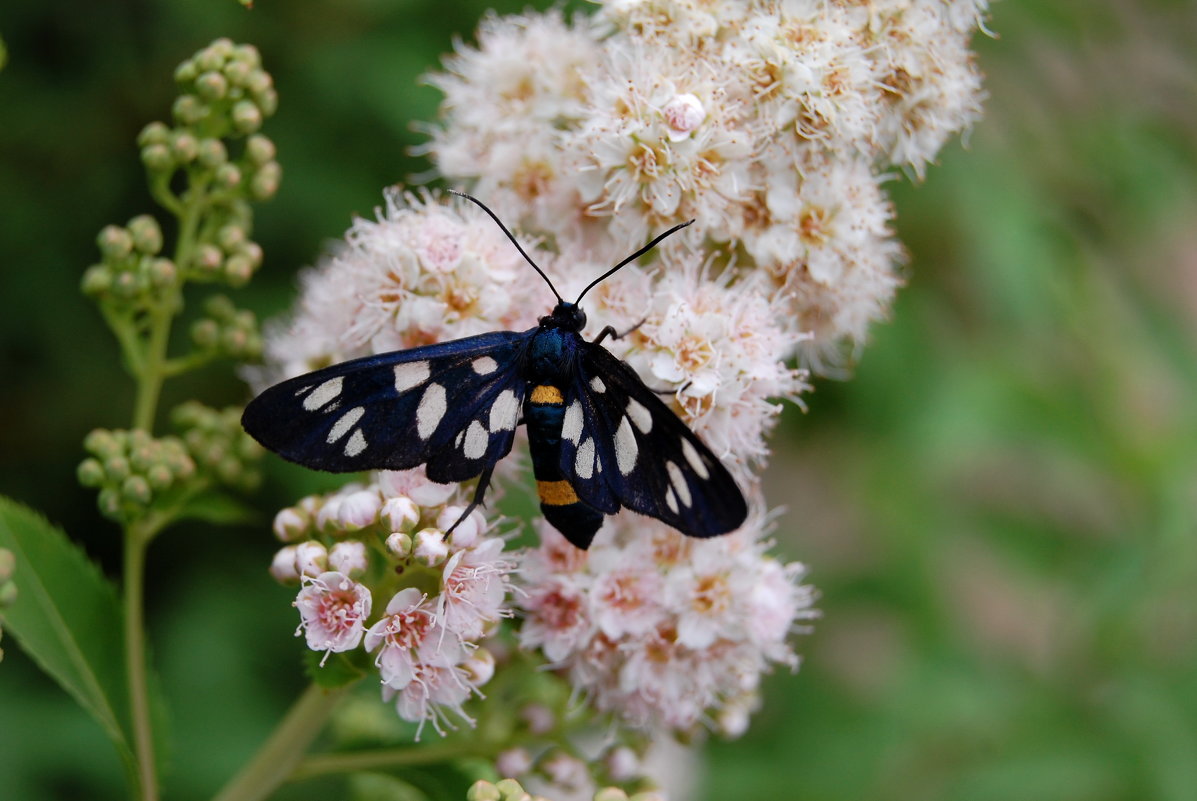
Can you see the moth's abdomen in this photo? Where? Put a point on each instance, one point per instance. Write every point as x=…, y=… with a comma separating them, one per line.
x=545, y=415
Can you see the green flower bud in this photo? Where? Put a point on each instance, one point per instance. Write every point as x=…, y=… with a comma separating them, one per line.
x=8, y=596
x=230, y=470
x=126, y=285
x=253, y=252
x=137, y=489
x=228, y=176
x=114, y=242
x=97, y=280
x=259, y=149
x=109, y=501
x=233, y=341
x=212, y=153
x=483, y=791
x=208, y=259
x=189, y=109
x=265, y=181
x=267, y=101
x=238, y=270
x=8, y=563
x=210, y=58
x=156, y=133
x=220, y=307
x=90, y=473
x=248, y=55
x=259, y=81
x=223, y=47
x=247, y=117
x=185, y=147
x=159, y=476
x=116, y=468
x=147, y=236
x=163, y=273
x=186, y=71
x=205, y=334
x=510, y=789
x=102, y=443
x=212, y=86
x=157, y=157
x=610, y=794
x=231, y=237
x=237, y=71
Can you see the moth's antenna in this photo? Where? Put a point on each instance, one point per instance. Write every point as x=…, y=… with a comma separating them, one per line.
x=515, y=242
x=632, y=258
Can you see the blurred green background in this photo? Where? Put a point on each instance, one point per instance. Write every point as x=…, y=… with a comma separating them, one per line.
x=999, y=508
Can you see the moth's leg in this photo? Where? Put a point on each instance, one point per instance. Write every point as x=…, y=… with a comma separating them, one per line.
x=479, y=496
x=677, y=391
x=609, y=331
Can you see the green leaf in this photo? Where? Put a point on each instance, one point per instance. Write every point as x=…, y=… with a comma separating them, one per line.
x=67, y=618
x=218, y=508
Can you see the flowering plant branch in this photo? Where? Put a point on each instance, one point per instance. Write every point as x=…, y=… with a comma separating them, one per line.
x=771, y=124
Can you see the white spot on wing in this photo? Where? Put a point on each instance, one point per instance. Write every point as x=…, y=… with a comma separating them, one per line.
x=694, y=459
x=671, y=500
x=678, y=479
x=504, y=412
x=597, y=384
x=625, y=447
x=430, y=411
x=584, y=460
x=476, y=440
x=409, y=375
x=344, y=423
x=484, y=365
x=640, y=416
x=323, y=394
x=571, y=426
x=356, y=444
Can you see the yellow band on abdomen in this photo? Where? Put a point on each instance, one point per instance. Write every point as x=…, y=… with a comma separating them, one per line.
x=556, y=493
x=547, y=394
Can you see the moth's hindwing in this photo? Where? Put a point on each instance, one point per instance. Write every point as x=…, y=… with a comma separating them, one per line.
x=622, y=446
x=452, y=406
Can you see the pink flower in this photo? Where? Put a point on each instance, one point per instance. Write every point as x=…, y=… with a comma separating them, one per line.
x=332, y=609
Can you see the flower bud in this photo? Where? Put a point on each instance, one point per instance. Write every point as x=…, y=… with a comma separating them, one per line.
x=267, y=101
x=247, y=117
x=205, y=334
x=540, y=718
x=290, y=524
x=349, y=557
x=265, y=182
x=212, y=153
x=238, y=271
x=189, y=109
x=237, y=72
x=513, y=762
x=358, y=510
x=109, y=501
x=399, y=544
x=147, y=236
x=610, y=794
x=648, y=795
x=114, y=242
x=163, y=273
x=90, y=473
x=185, y=147
x=159, y=476
x=136, y=489
x=230, y=237
x=212, y=86
x=259, y=81
x=510, y=790
x=480, y=667
x=622, y=763
x=116, y=468
x=102, y=443
x=157, y=157
x=283, y=568
x=483, y=791
x=97, y=280
x=430, y=546
x=186, y=71
x=228, y=176
x=400, y=514
x=311, y=558
x=156, y=133
x=260, y=149
x=126, y=285
x=210, y=58
x=208, y=259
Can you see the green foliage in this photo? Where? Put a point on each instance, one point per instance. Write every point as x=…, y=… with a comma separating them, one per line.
x=66, y=617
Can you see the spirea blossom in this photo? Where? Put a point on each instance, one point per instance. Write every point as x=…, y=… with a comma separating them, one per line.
x=427, y=644
x=658, y=628
x=771, y=123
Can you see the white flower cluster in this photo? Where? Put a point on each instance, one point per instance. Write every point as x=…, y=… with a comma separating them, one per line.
x=771, y=123
x=345, y=548
x=660, y=628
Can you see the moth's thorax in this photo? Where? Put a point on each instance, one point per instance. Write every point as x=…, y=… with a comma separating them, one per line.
x=550, y=356
x=565, y=316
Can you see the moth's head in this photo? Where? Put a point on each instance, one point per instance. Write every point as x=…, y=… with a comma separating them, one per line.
x=567, y=316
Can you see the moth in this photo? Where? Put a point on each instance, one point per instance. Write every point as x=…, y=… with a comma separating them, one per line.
x=600, y=439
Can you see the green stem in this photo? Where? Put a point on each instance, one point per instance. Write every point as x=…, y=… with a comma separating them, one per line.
x=325, y=764
x=135, y=662
x=149, y=384
x=276, y=759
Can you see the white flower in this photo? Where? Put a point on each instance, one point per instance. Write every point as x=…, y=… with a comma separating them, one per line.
x=348, y=557
x=332, y=609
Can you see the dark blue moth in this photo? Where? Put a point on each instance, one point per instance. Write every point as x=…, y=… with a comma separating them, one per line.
x=600, y=439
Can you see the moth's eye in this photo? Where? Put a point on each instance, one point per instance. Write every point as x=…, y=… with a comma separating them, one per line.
x=581, y=317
